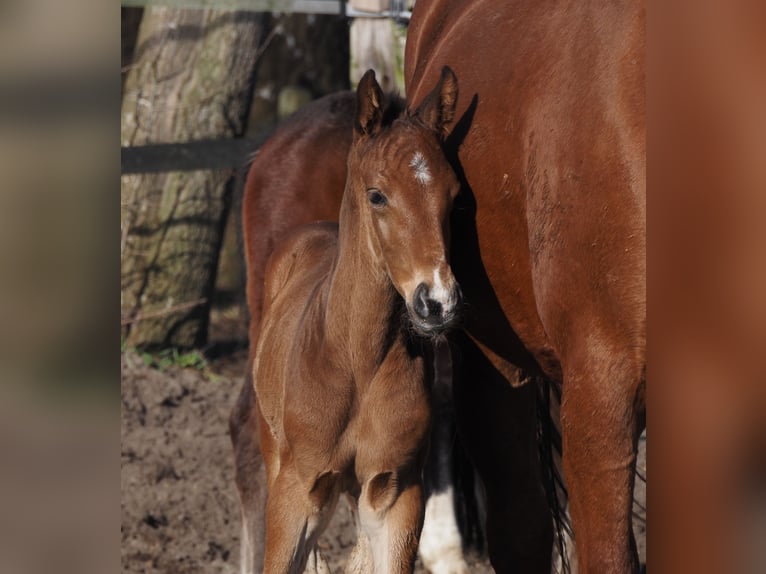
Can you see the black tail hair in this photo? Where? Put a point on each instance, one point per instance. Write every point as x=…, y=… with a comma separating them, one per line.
x=470, y=501
x=549, y=447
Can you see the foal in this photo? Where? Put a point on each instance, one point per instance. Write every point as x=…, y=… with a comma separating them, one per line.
x=342, y=364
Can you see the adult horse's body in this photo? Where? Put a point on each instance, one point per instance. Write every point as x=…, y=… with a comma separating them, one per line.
x=549, y=250
x=341, y=380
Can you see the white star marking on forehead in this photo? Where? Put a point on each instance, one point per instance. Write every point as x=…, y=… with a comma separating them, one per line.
x=418, y=163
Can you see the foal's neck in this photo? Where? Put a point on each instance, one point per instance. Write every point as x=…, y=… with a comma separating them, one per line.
x=364, y=311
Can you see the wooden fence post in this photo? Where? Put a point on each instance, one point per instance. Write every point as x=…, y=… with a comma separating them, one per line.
x=377, y=43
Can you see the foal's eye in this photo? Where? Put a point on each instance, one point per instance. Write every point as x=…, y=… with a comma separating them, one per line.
x=376, y=198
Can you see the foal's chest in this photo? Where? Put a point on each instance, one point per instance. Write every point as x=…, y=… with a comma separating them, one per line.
x=343, y=425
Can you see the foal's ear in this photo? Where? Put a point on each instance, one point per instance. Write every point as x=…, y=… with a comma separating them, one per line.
x=369, y=106
x=438, y=108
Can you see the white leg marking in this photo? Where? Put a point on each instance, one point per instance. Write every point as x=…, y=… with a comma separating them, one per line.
x=375, y=529
x=360, y=561
x=252, y=549
x=246, y=550
x=441, y=548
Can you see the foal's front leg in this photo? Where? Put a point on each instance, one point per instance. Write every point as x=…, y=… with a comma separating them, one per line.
x=391, y=517
x=295, y=517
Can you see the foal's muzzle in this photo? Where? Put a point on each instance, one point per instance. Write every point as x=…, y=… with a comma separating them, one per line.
x=431, y=316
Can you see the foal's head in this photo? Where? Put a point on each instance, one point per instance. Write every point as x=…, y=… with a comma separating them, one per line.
x=404, y=188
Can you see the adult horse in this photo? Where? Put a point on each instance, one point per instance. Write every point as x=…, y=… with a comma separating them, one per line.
x=549, y=248
x=312, y=146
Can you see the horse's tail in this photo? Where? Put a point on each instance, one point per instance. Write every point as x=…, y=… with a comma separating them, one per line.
x=549, y=448
x=470, y=500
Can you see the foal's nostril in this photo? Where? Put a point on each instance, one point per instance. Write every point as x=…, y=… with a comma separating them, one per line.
x=420, y=300
x=434, y=308
x=424, y=306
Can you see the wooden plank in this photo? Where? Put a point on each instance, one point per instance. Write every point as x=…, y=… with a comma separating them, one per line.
x=199, y=155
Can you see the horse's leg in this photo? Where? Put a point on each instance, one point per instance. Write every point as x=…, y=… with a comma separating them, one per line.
x=250, y=478
x=498, y=427
x=599, y=433
x=295, y=518
x=391, y=516
x=441, y=546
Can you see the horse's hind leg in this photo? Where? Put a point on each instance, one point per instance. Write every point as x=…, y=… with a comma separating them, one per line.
x=295, y=517
x=250, y=477
x=599, y=432
x=441, y=546
x=498, y=426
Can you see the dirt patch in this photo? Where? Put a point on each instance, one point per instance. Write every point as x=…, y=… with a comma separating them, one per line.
x=180, y=511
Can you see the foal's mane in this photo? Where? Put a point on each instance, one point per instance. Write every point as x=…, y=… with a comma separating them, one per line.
x=394, y=107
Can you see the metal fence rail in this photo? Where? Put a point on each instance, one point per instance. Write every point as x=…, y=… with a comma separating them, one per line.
x=396, y=8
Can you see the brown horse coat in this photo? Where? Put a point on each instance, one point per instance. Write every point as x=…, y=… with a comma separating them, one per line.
x=310, y=184
x=341, y=380
x=550, y=241
x=312, y=146
x=277, y=199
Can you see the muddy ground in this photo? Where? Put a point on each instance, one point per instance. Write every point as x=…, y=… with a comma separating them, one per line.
x=180, y=512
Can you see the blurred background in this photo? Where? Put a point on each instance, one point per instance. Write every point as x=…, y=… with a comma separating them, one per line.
x=200, y=85
x=59, y=383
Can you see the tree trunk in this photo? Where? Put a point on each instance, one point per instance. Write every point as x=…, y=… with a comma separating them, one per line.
x=307, y=57
x=192, y=78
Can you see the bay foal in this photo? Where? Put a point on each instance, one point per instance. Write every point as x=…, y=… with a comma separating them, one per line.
x=341, y=371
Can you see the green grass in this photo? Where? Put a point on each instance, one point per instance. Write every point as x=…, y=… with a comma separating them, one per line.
x=171, y=357
x=174, y=357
